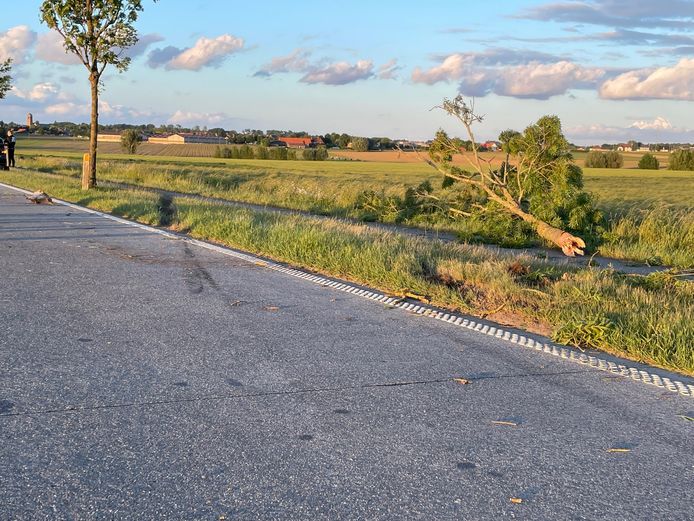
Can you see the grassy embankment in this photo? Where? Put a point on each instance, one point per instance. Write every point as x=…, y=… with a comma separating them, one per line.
x=649, y=212
x=644, y=318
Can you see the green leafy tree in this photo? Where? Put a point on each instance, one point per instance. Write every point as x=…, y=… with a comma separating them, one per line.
x=544, y=189
x=682, y=159
x=597, y=159
x=5, y=78
x=130, y=140
x=97, y=32
x=649, y=162
x=360, y=144
x=509, y=144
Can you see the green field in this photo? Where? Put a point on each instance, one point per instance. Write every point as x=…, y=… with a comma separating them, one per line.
x=650, y=213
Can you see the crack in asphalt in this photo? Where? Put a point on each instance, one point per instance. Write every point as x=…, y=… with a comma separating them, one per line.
x=222, y=397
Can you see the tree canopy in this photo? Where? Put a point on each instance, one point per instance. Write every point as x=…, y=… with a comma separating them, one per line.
x=5, y=78
x=542, y=188
x=98, y=32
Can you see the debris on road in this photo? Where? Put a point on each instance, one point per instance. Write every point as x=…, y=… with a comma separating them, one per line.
x=39, y=197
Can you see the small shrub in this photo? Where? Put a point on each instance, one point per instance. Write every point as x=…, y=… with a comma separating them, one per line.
x=246, y=152
x=649, y=162
x=360, y=144
x=315, y=154
x=682, y=160
x=222, y=152
x=262, y=153
x=130, y=140
x=611, y=159
x=278, y=153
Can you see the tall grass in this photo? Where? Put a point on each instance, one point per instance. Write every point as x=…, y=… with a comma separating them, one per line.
x=645, y=318
x=650, y=213
x=661, y=235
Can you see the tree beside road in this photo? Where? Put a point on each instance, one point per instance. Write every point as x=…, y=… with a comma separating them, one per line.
x=97, y=32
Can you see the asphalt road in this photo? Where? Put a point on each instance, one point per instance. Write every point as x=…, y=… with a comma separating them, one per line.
x=146, y=378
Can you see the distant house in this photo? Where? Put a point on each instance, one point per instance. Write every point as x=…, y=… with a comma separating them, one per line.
x=302, y=142
x=624, y=147
x=182, y=138
x=491, y=146
x=108, y=138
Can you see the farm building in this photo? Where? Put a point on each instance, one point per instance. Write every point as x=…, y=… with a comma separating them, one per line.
x=108, y=138
x=186, y=137
x=302, y=142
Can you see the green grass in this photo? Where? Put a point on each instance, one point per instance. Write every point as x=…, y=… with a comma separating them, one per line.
x=623, y=189
x=645, y=318
x=633, y=200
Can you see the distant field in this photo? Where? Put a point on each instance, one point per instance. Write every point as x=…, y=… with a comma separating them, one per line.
x=70, y=145
x=50, y=145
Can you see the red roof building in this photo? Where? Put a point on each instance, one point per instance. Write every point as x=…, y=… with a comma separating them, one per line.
x=302, y=142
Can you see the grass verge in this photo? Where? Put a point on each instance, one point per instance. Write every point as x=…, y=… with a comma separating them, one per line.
x=647, y=319
x=650, y=215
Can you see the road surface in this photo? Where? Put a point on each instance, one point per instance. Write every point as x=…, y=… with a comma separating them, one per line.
x=146, y=378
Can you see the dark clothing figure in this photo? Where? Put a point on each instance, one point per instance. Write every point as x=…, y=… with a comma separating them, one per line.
x=4, y=155
x=11, y=142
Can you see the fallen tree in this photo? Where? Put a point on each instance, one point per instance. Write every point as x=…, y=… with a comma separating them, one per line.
x=543, y=187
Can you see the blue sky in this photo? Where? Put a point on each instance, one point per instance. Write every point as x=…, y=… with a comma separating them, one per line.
x=611, y=69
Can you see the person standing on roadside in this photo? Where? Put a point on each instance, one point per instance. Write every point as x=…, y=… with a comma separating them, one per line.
x=11, y=143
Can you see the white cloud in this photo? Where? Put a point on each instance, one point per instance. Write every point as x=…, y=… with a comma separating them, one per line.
x=452, y=68
x=659, y=123
x=206, y=52
x=49, y=48
x=67, y=108
x=485, y=73
x=143, y=42
x=15, y=43
x=340, y=73
x=388, y=71
x=676, y=83
x=39, y=92
x=296, y=61
x=181, y=117
x=326, y=72
x=540, y=80
x=655, y=131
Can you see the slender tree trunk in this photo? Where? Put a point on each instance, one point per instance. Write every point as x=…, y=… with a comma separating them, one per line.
x=89, y=178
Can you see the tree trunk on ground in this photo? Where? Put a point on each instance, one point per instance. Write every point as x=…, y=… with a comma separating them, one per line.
x=89, y=178
x=569, y=244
